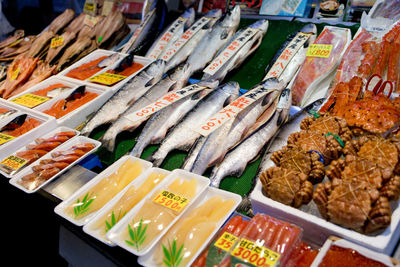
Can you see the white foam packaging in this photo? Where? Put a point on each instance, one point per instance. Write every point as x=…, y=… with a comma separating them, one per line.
x=59, y=209
x=65, y=146
x=148, y=259
x=88, y=228
x=22, y=146
x=48, y=123
x=96, y=54
x=116, y=233
x=373, y=255
x=78, y=116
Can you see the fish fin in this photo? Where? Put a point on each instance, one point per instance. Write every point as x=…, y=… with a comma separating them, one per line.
x=151, y=82
x=196, y=96
x=173, y=87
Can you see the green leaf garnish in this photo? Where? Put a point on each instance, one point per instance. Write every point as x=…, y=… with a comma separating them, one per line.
x=137, y=235
x=172, y=256
x=114, y=220
x=82, y=206
x=337, y=137
x=314, y=113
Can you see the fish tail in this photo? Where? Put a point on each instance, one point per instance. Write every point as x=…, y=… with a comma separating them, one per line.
x=158, y=157
x=216, y=177
x=108, y=140
x=137, y=150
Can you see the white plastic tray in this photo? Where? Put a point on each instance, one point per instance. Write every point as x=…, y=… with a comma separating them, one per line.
x=59, y=209
x=115, y=233
x=65, y=146
x=22, y=148
x=96, y=54
x=385, y=259
x=148, y=259
x=103, y=211
x=48, y=124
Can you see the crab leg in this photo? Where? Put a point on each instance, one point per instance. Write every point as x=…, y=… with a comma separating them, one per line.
x=371, y=52
x=382, y=59
x=394, y=63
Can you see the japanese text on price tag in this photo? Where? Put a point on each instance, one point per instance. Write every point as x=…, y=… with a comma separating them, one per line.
x=229, y=51
x=30, y=100
x=90, y=21
x=226, y=241
x=185, y=38
x=166, y=38
x=230, y=111
x=287, y=55
x=4, y=138
x=14, y=74
x=319, y=50
x=107, y=78
x=14, y=162
x=138, y=30
x=90, y=7
x=171, y=200
x=163, y=102
x=249, y=252
x=56, y=42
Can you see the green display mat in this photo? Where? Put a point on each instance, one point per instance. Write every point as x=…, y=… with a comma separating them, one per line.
x=251, y=72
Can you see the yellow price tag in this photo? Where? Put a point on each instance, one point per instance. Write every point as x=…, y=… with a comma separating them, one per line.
x=4, y=138
x=319, y=50
x=90, y=21
x=249, y=252
x=226, y=241
x=57, y=41
x=171, y=200
x=107, y=78
x=14, y=162
x=14, y=74
x=30, y=100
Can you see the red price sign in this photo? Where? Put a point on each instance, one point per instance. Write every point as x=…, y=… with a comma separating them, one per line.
x=171, y=200
x=259, y=256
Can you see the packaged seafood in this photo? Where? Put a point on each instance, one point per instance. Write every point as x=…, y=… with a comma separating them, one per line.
x=85, y=203
x=340, y=252
x=142, y=228
x=124, y=201
x=192, y=232
x=317, y=66
x=223, y=241
x=52, y=165
x=21, y=119
x=11, y=164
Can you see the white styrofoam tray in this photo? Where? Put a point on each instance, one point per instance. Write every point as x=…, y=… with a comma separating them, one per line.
x=88, y=228
x=65, y=146
x=22, y=148
x=96, y=54
x=385, y=259
x=116, y=233
x=48, y=124
x=148, y=259
x=59, y=209
x=81, y=114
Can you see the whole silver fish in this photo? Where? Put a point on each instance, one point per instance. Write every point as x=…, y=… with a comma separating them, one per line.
x=298, y=59
x=126, y=96
x=249, y=148
x=183, y=135
x=210, y=44
x=157, y=126
x=183, y=53
x=174, y=81
x=211, y=150
x=242, y=53
x=171, y=34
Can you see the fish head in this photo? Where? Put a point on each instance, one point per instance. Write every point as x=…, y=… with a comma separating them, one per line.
x=214, y=13
x=190, y=15
x=283, y=106
x=209, y=83
x=309, y=28
x=231, y=18
x=156, y=69
x=181, y=73
x=261, y=24
x=231, y=88
x=273, y=83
